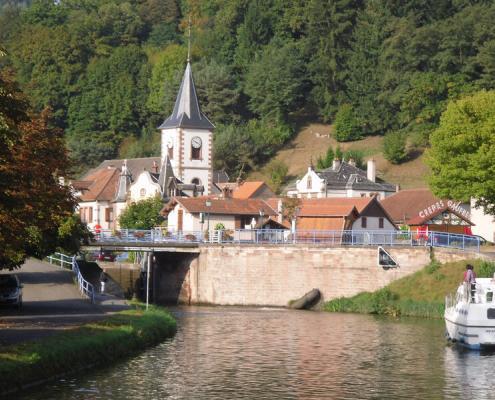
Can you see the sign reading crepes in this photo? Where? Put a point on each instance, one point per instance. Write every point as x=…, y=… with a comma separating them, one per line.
x=440, y=205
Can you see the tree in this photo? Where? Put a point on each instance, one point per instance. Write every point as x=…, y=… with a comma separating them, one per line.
x=144, y=214
x=32, y=203
x=275, y=82
x=462, y=154
x=347, y=126
x=277, y=170
x=217, y=92
x=394, y=147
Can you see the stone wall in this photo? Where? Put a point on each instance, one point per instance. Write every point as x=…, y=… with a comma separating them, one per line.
x=274, y=275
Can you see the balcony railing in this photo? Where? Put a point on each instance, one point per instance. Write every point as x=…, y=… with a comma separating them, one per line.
x=286, y=237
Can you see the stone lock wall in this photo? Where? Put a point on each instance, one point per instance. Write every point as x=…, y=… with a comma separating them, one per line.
x=274, y=275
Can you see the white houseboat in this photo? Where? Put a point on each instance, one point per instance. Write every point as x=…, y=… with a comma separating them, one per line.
x=470, y=314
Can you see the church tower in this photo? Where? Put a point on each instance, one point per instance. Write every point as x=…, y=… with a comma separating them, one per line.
x=187, y=137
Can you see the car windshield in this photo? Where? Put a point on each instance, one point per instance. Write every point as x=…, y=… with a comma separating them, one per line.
x=7, y=281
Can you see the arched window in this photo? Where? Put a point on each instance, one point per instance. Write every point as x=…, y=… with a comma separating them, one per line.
x=196, y=145
x=309, y=183
x=196, y=181
x=142, y=192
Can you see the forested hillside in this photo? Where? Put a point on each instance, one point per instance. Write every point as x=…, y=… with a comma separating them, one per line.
x=109, y=69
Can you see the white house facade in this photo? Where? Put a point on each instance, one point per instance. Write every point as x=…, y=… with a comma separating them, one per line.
x=343, y=179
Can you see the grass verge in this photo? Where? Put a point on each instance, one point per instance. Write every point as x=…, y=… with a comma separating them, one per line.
x=92, y=344
x=421, y=294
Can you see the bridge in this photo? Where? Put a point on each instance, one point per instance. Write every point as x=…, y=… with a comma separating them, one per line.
x=161, y=240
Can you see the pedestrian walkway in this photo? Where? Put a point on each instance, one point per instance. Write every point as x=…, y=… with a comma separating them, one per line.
x=52, y=303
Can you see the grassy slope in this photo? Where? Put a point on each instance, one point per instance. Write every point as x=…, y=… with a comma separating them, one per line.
x=93, y=344
x=421, y=294
x=310, y=143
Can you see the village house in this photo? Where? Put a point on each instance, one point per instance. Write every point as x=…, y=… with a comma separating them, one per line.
x=421, y=211
x=342, y=179
x=199, y=214
x=351, y=213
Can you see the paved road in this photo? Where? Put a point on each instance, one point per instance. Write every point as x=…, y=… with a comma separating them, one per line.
x=51, y=303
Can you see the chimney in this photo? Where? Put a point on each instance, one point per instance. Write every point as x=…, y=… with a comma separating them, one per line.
x=154, y=168
x=280, y=210
x=336, y=164
x=371, y=170
x=226, y=192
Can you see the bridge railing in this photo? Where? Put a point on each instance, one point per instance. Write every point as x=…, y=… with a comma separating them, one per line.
x=60, y=259
x=86, y=288
x=285, y=237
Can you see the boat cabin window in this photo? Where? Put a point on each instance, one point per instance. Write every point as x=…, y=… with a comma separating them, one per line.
x=490, y=313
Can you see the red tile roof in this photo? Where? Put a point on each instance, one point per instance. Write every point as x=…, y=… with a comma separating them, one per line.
x=103, y=185
x=417, y=206
x=225, y=206
x=332, y=206
x=247, y=189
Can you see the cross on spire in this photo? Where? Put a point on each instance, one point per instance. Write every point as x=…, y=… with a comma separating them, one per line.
x=189, y=41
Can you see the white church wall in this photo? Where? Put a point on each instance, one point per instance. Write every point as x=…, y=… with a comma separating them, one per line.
x=143, y=188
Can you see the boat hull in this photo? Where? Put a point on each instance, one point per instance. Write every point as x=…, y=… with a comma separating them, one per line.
x=470, y=335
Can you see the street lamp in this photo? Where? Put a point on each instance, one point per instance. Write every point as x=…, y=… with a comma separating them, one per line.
x=208, y=205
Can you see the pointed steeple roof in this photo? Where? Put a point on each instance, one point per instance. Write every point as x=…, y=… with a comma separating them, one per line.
x=166, y=176
x=125, y=180
x=187, y=113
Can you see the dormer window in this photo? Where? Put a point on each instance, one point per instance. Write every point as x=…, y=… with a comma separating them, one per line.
x=196, y=145
x=309, y=183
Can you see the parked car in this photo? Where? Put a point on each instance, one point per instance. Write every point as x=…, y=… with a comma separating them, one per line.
x=105, y=255
x=10, y=290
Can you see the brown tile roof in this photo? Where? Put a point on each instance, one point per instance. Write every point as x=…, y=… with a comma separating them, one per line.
x=332, y=206
x=247, y=189
x=103, y=185
x=405, y=206
x=228, y=206
x=323, y=224
x=81, y=185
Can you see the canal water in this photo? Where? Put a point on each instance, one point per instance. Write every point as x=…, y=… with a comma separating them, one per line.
x=252, y=353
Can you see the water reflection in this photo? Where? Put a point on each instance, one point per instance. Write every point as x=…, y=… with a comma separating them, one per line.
x=225, y=353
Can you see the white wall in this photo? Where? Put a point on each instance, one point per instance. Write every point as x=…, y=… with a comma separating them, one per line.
x=372, y=223
x=145, y=182
x=484, y=224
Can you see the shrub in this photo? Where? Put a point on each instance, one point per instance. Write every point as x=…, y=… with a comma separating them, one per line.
x=347, y=125
x=277, y=170
x=219, y=227
x=394, y=147
x=486, y=269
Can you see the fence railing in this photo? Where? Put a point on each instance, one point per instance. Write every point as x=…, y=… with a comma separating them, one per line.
x=86, y=288
x=286, y=237
x=60, y=259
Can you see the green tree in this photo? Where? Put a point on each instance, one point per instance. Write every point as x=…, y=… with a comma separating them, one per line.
x=462, y=154
x=275, y=82
x=31, y=210
x=144, y=214
x=217, y=91
x=327, y=160
x=347, y=126
x=164, y=81
x=394, y=147
x=277, y=171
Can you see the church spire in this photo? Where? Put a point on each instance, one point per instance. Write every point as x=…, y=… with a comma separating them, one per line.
x=187, y=112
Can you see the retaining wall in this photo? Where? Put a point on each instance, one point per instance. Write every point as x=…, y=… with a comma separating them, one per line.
x=274, y=275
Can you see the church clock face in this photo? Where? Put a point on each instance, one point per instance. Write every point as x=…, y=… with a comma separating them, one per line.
x=170, y=142
x=196, y=142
